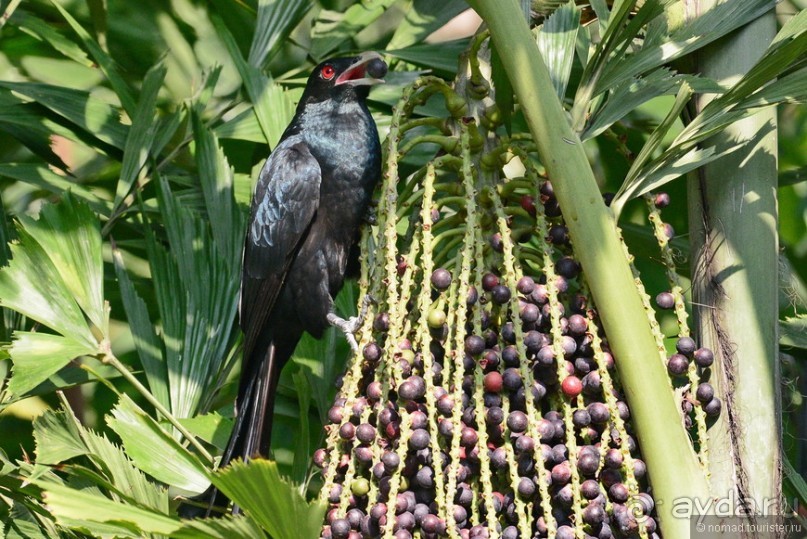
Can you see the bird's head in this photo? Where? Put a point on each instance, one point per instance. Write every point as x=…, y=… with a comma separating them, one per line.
x=345, y=78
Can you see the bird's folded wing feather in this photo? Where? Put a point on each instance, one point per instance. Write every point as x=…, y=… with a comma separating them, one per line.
x=285, y=202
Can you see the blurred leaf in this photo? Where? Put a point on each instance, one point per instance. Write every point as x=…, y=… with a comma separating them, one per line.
x=145, y=338
x=5, y=237
x=44, y=178
x=226, y=527
x=37, y=356
x=243, y=126
x=505, y=100
x=84, y=507
x=710, y=26
x=792, y=177
x=282, y=511
x=556, y=41
x=212, y=428
x=793, y=332
x=141, y=134
x=46, y=32
x=88, y=113
x=154, y=451
x=69, y=376
x=423, y=18
x=302, y=448
x=331, y=28
x=60, y=437
x=216, y=178
x=31, y=134
x=276, y=20
x=70, y=235
x=442, y=57
x=104, y=61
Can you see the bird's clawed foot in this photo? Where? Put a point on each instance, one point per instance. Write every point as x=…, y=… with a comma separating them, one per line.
x=351, y=325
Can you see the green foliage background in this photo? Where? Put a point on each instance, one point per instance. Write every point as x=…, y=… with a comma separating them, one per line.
x=156, y=116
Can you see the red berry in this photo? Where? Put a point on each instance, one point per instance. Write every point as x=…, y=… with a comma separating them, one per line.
x=528, y=203
x=571, y=386
x=493, y=382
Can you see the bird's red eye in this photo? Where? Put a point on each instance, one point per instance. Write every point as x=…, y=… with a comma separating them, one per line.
x=328, y=72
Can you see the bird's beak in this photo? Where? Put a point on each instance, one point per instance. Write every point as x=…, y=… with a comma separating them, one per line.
x=356, y=73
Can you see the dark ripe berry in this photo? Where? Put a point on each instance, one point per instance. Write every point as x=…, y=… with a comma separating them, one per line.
x=567, y=267
x=340, y=528
x=558, y=234
x=545, y=356
x=364, y=455
x=535, y=340
x=661, y=200
x=512, y=379
x=528, y=204
x=425, y=477
x=459, y=513
x=355, y=516
x=618, y=492
x=489, y=281
x=578, y=325
x=587, y=464
x=613, y=458
x=593, y=514
x=489, y=361
x=401, y=265
x=525, y=285
x=493, y=382
x=517, y=421
x=365, y=433
x=347, y=431
x=496, y=242
x=705, y=392
x=336, y=414
x=565, y=532
x=378, y=510
x=584, y=365
x=526, y=488
x=358, y=407
x=403, y=522
x=402, y=534
x=624, y=411
x=510, y=532
x=412, y=389
x=552, y=208
x=524, y=445
x=320, y=458
x=445, y=405
x=391, y=461
x=474, y=345
x=419, y=439
x=703, y=357
x=436, y=318
x=569, y=346
x=669, y=231
x=590, y=489
x=510, y=356
x=472, y=297
x=677, y=364
x=598, y=412
x=561, y=473
x=376, y=68
x=565, y=496
x=592, y=384
x=540, y=295
x=686, y=346
x=546, y=430
x=468, y=437
x=529, y=313
x=500, y=294
x=665, y=300
x=418, y=420
x=430, y=523
x=374, y=391
x=498, y=458
x=494, y=416
x=360, y=486
x=571, y=386
x=712, y=408
x=492, y=399
x=581, y=418
x=372, y=352
x=441, y=279
x=381, y=322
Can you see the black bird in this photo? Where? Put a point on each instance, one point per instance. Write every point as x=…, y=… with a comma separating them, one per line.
x=309, y=202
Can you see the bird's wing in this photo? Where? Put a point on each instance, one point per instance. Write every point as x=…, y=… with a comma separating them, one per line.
x=286, y=199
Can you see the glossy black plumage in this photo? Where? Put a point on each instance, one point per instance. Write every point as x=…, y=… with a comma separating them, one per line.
x=309, y=202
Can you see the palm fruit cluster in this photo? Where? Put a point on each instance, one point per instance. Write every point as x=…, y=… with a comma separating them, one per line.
x=484, y=402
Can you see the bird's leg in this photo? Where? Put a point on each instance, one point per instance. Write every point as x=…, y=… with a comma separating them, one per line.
x=351, y=325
